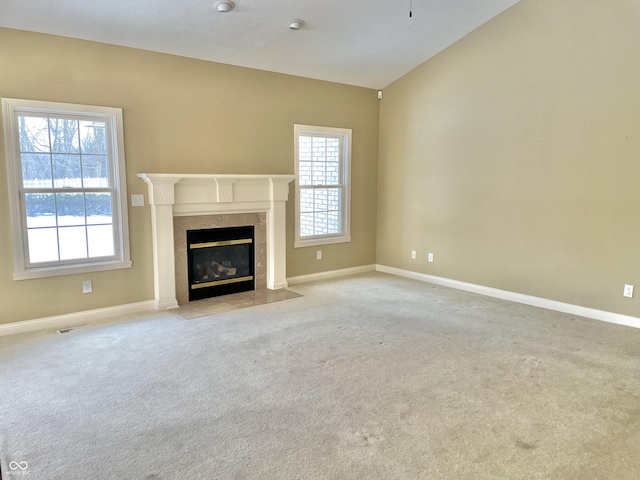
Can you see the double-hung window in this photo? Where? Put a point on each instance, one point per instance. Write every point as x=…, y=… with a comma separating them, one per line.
x=322, y=167
x=67, y=194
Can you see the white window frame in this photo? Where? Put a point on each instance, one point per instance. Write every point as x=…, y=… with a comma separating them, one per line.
x=12, y=108
x=345, y=173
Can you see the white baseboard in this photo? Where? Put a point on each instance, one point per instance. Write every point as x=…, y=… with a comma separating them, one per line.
x=312, y=277
x=517, y=297
x=91, y=316
x=72, y=319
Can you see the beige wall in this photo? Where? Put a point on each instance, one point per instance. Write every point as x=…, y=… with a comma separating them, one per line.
x=186, y=116
x=514, y=156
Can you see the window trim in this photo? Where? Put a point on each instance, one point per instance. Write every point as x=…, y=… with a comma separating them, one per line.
x=328, y=239
x=11, y=109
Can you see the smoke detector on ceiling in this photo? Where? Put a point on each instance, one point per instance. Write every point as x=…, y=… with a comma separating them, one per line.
x=224, y=6
x=296, y=24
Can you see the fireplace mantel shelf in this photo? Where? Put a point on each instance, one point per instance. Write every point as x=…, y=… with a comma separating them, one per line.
x=172, y=195
x=208, y=176
x=190, y=189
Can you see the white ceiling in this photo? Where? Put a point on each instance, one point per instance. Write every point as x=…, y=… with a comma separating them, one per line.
x=369, y=43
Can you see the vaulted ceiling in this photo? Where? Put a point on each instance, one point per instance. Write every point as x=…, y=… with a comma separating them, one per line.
x=368, y=43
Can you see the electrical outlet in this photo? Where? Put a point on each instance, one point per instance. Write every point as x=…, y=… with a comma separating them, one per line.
x=430, y=258
x=413, y=254
x=628, y=291
x=87, y=287
x=319, y=255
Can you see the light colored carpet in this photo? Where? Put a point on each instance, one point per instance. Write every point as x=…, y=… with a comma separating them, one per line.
x=367, y=377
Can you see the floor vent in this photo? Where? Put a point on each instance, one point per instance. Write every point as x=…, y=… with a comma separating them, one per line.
x=71, y=329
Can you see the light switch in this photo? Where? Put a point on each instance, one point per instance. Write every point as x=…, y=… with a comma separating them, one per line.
x=137, y=200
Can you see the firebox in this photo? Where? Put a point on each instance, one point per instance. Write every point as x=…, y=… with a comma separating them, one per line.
x=220, y=261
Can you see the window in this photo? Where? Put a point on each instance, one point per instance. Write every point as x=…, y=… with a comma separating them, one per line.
x=67, y=195
x=322, y=167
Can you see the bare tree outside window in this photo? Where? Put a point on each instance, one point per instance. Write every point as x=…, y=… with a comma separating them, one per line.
x=68, y=180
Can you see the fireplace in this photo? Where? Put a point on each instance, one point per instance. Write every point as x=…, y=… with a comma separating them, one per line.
x=191, y=198
x=220, y=261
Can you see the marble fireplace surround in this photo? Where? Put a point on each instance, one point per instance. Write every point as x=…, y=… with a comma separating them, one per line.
x=182, y=224
x=207, y=196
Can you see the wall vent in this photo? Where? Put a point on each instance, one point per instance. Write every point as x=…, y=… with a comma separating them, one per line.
x=71, y=329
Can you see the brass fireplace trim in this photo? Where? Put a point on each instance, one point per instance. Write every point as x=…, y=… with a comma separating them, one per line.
x=222, y=243
x=221, y=282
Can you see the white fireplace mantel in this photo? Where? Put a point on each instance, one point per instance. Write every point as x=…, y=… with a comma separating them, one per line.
x=204, y=194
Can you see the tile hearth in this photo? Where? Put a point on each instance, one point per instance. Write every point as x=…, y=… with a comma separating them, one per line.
x=235, y=301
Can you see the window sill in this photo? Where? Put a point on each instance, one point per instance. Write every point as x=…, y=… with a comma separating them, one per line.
x=45, y=272
x=320, y=241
